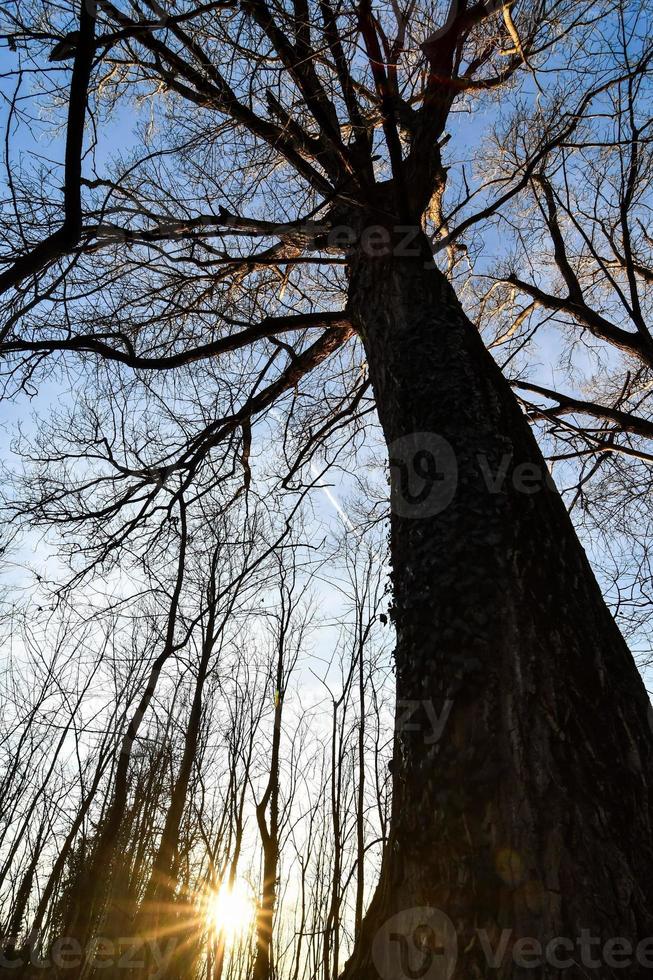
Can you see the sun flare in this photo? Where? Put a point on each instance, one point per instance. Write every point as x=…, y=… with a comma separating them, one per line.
x=230, y=910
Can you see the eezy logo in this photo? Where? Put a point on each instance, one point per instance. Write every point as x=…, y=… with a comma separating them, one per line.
x=423, y=475
x=416, y=944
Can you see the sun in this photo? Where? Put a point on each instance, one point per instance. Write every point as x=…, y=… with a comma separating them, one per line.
x=230, y=910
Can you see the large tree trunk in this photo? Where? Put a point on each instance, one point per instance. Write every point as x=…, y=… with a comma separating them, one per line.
x=532, y=811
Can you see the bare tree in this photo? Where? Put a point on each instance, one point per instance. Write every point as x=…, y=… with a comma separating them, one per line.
x=243, y=257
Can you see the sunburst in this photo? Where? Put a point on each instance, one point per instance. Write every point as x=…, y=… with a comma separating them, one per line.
x=230, y=910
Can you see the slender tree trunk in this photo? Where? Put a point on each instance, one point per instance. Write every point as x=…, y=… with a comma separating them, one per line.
x=96, y=887
x=532, y=811
x=331, y=948
x=360, y=789
x=158, y=911
x=43, y=788
x=13, y=932
x=237, y=791
x=263, y=963
x=65, y=850
x=163, y=880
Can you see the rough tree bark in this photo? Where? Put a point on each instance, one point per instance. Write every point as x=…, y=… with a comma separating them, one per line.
x=532, y=812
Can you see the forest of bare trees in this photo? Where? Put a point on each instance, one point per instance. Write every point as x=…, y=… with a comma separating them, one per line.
x=326, y=354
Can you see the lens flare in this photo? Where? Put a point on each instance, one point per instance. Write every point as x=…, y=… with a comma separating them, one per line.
x=230, y=910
